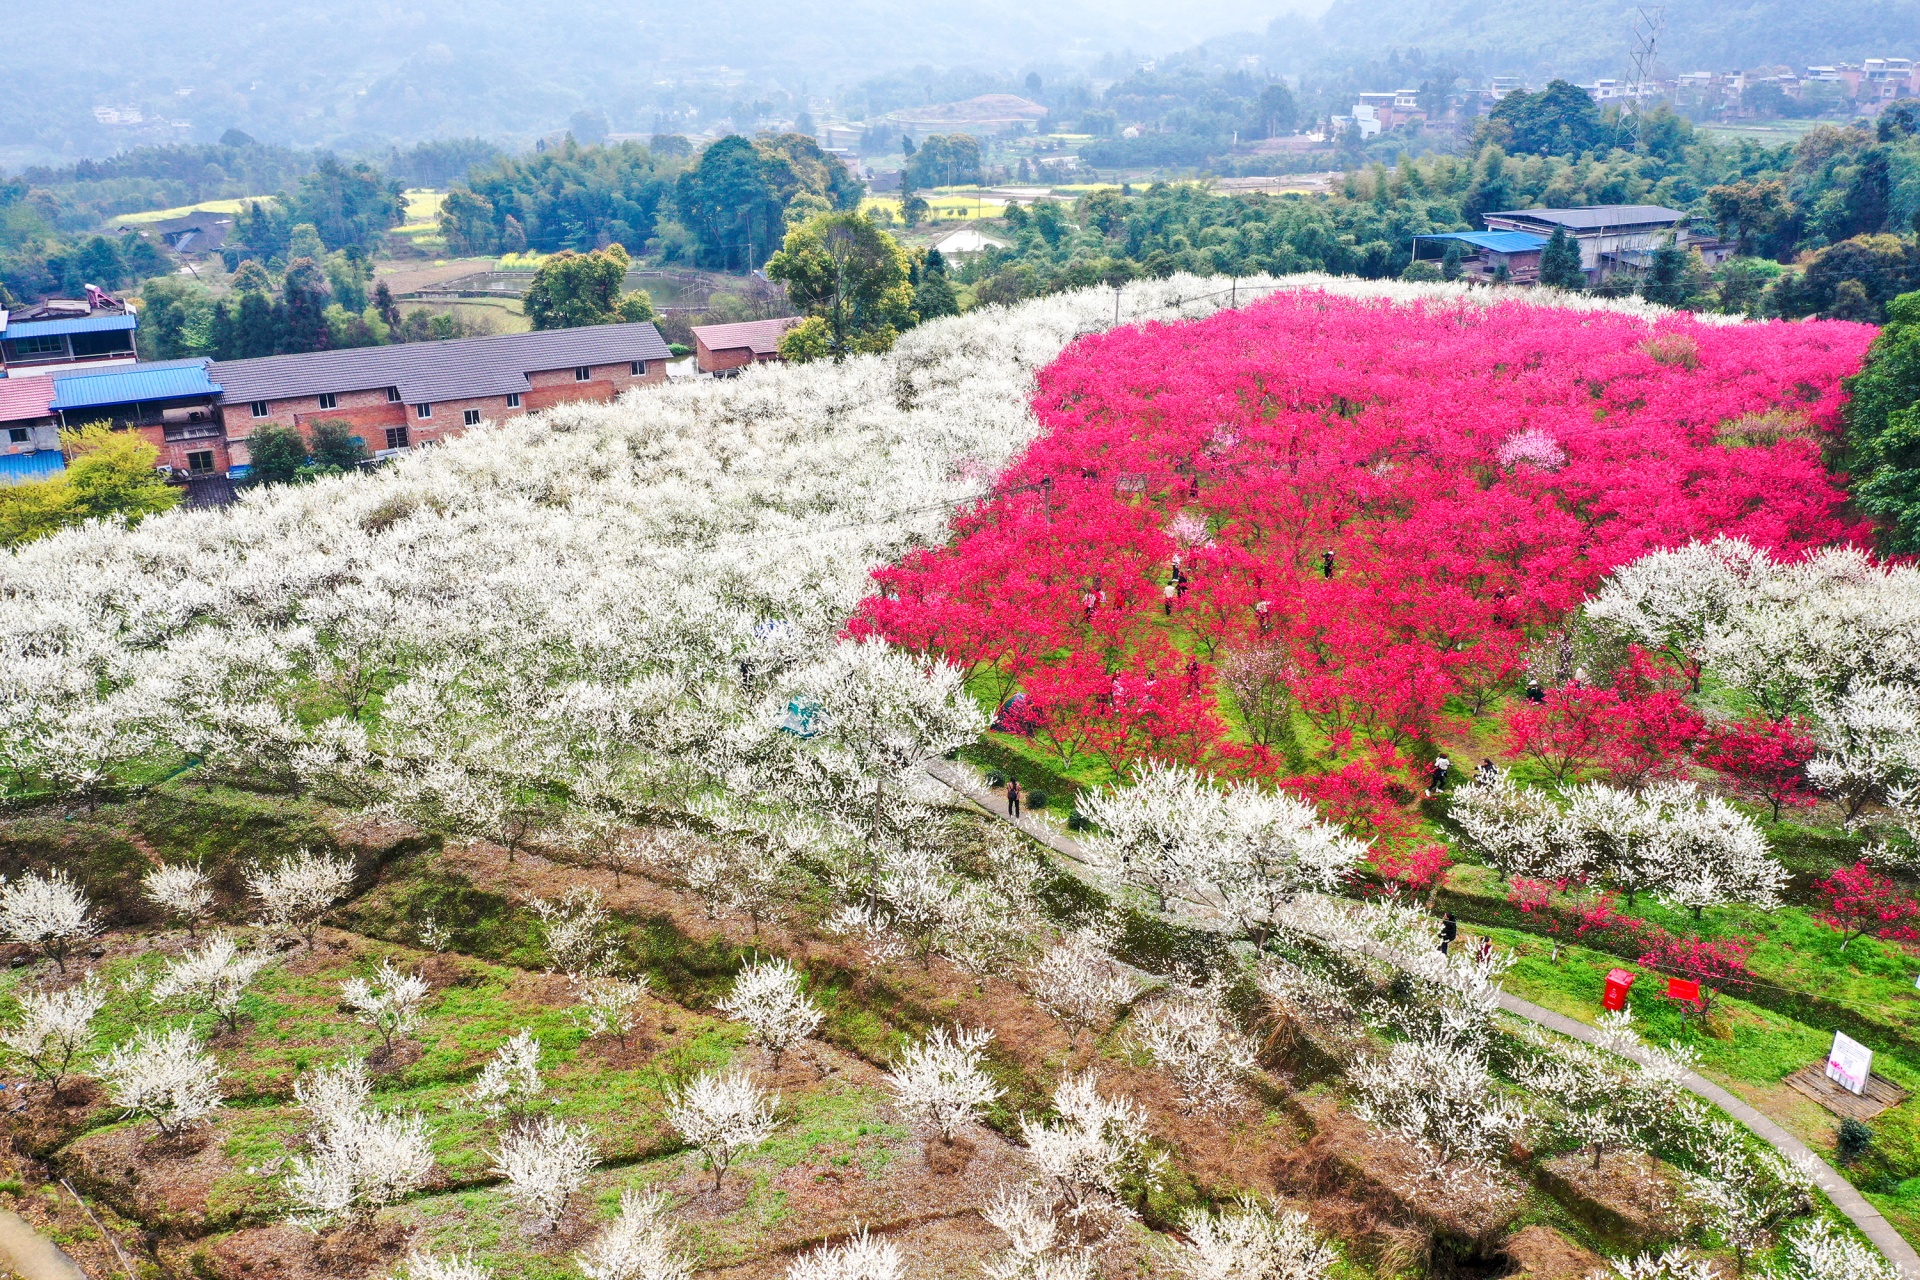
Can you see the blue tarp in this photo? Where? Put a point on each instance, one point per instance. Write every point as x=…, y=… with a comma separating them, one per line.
x=1497, y=241
x=132, y=386
x=38, y=465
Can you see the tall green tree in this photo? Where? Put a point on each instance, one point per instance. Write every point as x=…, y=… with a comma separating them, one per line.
x=348, y=204
x=1560, y=262
x=933, y=294
x=574, y=289
x=466, y=220
x=850, y=277
x=334, y=446
x=945, y=160
x=303, y=312
x=1560, y=120
x=1883, y=427
x=730, y=206
x=1667, y=278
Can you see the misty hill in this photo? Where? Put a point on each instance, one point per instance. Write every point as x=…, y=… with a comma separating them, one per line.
x=371, y=72
x=1586, y=37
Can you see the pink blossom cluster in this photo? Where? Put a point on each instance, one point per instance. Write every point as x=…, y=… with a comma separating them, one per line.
x=1352, y=463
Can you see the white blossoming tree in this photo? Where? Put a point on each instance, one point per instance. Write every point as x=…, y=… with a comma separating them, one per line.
x=54, y=1029
x=357, y=1160
x=1192, y=1039
x=214, y=979
x=296, y=894
x=544, y=1163
x=939, y=1084
x=640, y=1244
x=1439, y=1097
x=1091, y=1152
x=612, y=1006
x=165, y=1076
x=721, y=1115
x=767, y=997
x=1251, y=1241
x=858, y=1257
x=48, y=913
x=391, y=1002
x=182, y=892
x=1078, y=981
x=509, y=1082
x=426, y=1266
x=576, y=933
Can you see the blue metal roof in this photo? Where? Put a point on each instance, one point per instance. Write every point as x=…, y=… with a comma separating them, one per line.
x=79, y=324
x=171, y=382
x=38, y=465
x=1497, y=241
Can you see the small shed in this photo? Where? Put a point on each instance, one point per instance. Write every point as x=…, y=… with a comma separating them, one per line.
x=722, y=350
x=1485, y=252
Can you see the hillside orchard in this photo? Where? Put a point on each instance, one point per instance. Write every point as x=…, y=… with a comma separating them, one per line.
x=524, y=861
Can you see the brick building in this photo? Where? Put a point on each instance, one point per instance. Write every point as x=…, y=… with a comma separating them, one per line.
x=722, y=349
x=200, y=413
x=419, y=392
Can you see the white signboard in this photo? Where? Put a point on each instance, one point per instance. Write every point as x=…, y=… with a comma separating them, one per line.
x=1849, y=1063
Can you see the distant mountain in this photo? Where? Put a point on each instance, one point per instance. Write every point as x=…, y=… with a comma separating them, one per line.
x=1593, y=37
x=368, y=72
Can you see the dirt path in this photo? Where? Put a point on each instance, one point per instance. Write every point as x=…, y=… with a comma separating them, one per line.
x=31, y=1254
x=1871, y=1222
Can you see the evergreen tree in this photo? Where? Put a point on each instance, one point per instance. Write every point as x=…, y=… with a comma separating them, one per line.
x=1450, y=265
x=1666, y=281
x=849, y=275
x=278, y=453
x=335, y=446
x=1560, y=262
x=934, y=297
x=305, y=296
x=574, y=289
x=1883, y=426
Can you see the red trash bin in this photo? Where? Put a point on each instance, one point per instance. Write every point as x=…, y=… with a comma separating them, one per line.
x=1615, y=998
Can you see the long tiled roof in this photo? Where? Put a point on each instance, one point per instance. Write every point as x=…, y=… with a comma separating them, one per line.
x=425, y=372
x=1596, y=216
x=763, y=336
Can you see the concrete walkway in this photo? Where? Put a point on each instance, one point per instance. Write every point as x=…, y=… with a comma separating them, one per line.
x=1846, y=1198
x=32, y=1255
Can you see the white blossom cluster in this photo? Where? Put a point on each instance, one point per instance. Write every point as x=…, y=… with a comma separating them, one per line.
x=1690, y=849
x=214, y=978
x=766, y=995
x=1236, y=853
x=939, y=1085
x=357, y=1159
x=1192, y=1037
x=1834, y=636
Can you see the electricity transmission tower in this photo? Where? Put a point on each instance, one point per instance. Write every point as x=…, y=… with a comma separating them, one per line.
x=1647, y=26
